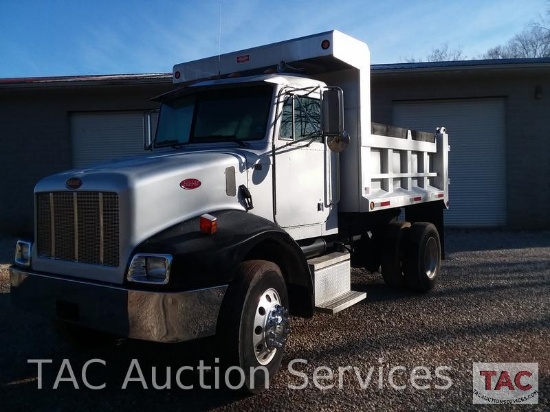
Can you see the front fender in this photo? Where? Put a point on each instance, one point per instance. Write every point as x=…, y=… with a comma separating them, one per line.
x=202, y=260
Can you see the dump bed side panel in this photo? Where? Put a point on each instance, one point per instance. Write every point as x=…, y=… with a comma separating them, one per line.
x=403, y=168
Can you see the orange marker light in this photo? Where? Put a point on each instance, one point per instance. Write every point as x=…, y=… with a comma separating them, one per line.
x=208, y=224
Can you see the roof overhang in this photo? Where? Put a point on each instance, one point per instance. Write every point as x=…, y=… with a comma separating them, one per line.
x=76, y=81
x=461, y=66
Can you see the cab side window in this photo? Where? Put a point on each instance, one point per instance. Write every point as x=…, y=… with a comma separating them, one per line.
x=300, y=118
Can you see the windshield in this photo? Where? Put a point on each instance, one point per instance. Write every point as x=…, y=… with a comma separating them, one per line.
x=233, y=114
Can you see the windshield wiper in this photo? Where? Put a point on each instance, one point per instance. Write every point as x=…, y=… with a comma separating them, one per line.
x=219, y=138
x=174, y=143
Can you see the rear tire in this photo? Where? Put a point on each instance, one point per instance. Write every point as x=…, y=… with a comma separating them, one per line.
x=392, y=254
x=253, y=324
x=367, y=251
x=422, y=257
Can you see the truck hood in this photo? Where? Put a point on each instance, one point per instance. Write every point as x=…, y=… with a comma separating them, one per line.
x=154, y=192
x=137, y=168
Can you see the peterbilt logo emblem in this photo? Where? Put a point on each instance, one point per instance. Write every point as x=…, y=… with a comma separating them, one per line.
x=73, y=183
x=189, y=184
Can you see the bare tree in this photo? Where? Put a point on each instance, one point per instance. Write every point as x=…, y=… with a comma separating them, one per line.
x=441, y=54
x=544, y=21
x=532, y=42
x=498, y=52
x=444, y=54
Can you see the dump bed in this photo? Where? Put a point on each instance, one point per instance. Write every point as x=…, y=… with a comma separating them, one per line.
x=401, y=167
x=384, y=166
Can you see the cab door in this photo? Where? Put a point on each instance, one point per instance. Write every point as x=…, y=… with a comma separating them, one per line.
x=304, y=169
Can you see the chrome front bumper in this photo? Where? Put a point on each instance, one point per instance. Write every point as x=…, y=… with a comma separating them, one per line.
x=152, y=316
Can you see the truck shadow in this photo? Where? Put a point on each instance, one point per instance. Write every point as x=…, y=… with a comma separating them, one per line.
x=499, y=276
x=40, y=370
x=7, y=249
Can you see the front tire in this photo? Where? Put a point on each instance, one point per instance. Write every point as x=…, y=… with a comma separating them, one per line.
x=422, y=259
x=253, y=324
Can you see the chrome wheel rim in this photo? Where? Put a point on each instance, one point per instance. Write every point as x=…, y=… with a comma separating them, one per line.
x=431, y=258
x=271, y=326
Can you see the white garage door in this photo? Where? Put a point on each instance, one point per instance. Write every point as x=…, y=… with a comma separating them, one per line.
x=477, y=169
x=102, y=136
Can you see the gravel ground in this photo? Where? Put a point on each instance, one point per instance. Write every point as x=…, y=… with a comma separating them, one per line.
x=491, y=305
x=7, y=249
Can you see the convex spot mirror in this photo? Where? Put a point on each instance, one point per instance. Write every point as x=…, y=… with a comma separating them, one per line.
x=338, y=143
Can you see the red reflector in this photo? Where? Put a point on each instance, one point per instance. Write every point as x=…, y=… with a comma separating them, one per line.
x=417, y=199
x=177, y=75
x=245, y=58
x=440, y=195
x=325, y=44
x=386, y=203
x=208, y=224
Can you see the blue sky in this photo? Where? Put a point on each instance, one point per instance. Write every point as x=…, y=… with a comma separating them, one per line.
x=57, y=38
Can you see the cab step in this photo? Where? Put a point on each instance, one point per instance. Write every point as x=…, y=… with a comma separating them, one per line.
x=332, y=283
x=342, y=302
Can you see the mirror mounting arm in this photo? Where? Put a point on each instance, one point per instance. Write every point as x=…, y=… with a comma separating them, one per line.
x=148, y=140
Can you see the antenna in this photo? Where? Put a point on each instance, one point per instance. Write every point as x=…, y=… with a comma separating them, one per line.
x=220, y=34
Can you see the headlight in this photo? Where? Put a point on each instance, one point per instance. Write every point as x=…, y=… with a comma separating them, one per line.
x=150, y=268
x=23, y=250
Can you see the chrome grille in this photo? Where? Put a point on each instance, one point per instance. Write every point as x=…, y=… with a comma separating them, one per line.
x=78, y=227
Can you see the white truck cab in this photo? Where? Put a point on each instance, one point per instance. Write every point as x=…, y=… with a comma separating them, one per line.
x=265, y=180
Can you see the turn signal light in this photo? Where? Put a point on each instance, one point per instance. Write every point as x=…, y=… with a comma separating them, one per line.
x=208, y=224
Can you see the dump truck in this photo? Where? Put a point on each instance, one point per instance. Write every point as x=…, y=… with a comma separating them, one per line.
x=263, y=183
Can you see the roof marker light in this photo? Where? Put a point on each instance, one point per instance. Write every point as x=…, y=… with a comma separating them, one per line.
x=325, y=44
x=177, y=75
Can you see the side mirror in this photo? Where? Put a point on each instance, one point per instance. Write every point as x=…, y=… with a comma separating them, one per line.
x=333, y=119
x=333, y=112
x=150, y=118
